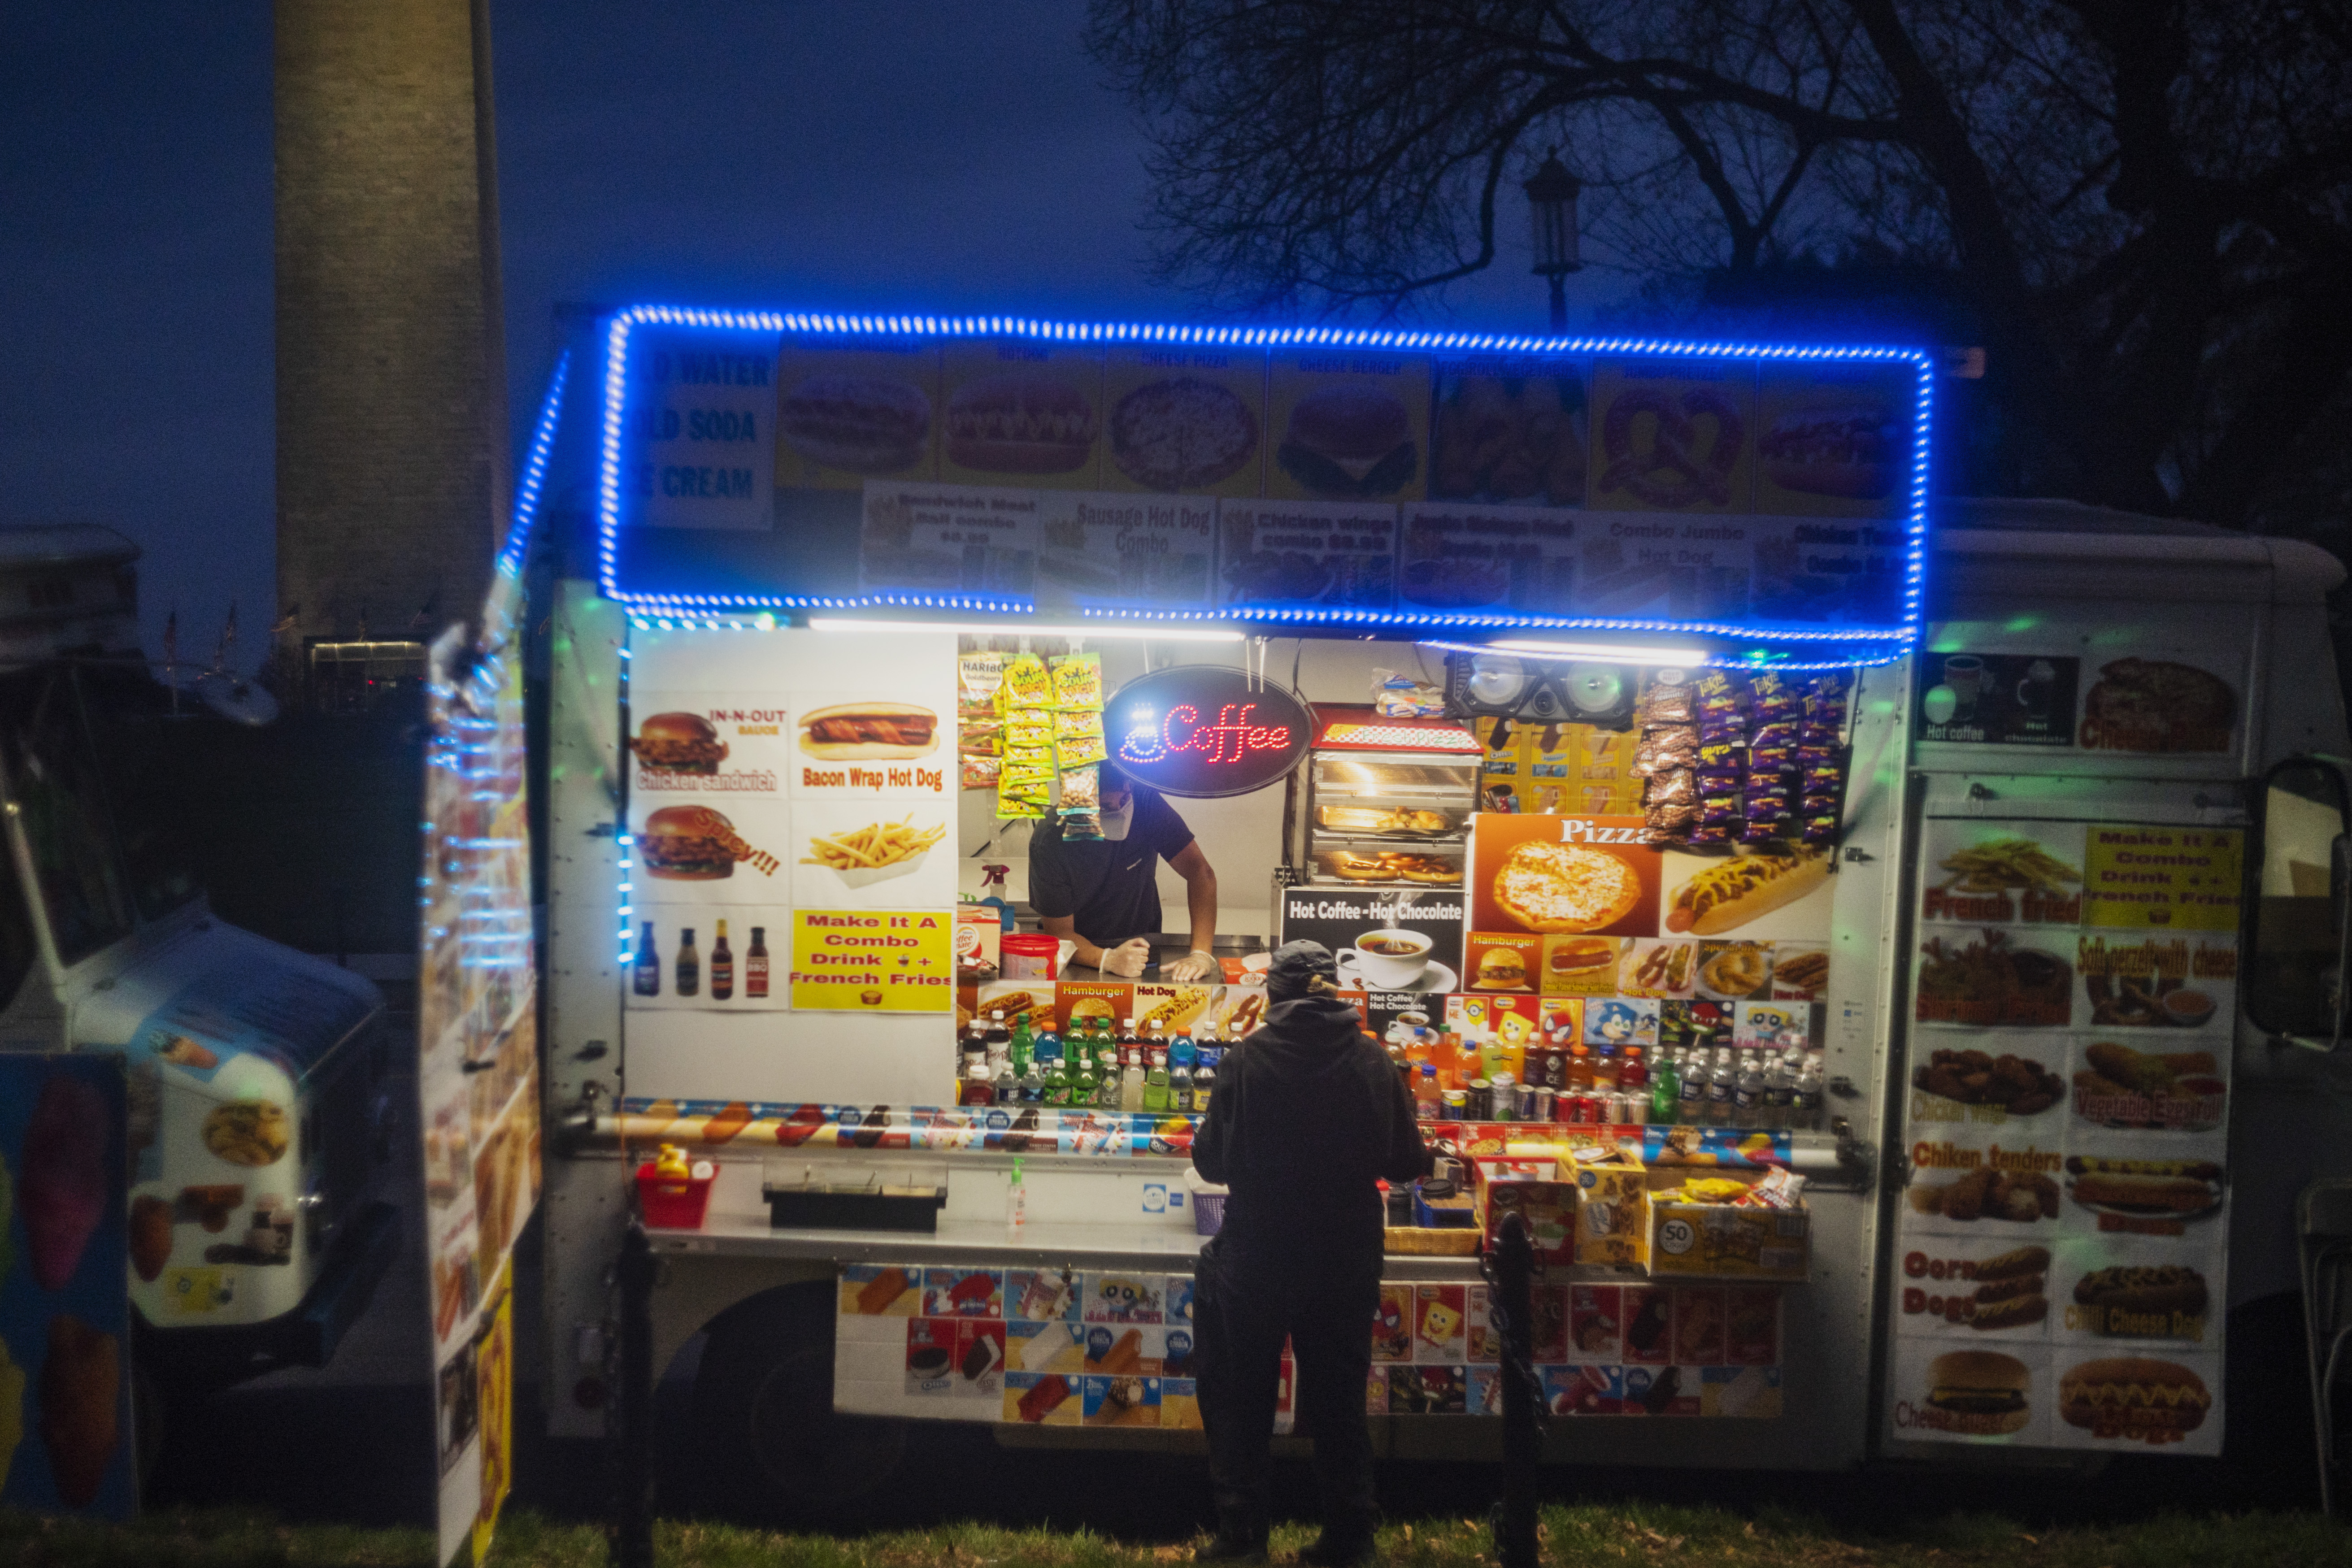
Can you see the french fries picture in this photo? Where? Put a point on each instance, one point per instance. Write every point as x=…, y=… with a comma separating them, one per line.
x=874, y=847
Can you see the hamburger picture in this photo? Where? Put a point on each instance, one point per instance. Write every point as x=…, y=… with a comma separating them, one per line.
x=1349, y=443
x=869, y=731
x=862, y=424
x=1501, y=969
x=1979, y=1393
x=687, y=844
x=1021, y=422
x=679, y=743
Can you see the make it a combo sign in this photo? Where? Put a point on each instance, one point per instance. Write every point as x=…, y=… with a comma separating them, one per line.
x=1203, y=731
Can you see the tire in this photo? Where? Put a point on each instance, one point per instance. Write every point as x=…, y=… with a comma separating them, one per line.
x=771, y=1445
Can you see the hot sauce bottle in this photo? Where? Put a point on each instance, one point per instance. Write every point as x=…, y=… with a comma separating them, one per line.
x=755, y=963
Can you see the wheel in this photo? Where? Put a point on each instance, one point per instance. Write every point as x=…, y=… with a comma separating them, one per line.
x=764, y=1409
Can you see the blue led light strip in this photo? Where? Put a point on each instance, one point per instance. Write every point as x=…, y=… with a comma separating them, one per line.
x=1871, y=646
x=534, y=471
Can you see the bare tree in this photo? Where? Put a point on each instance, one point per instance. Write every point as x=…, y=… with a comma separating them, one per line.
x=2147, y=205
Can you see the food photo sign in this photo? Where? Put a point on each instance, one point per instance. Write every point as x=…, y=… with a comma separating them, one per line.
x=1282, y=475
x=2062, y=1237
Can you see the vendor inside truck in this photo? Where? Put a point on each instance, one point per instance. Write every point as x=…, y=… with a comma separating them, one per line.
x=1103, y=894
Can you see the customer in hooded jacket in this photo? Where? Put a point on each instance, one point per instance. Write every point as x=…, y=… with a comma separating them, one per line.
x=1309, y=1115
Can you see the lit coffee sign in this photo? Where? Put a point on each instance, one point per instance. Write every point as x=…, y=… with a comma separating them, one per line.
x=1205, y=729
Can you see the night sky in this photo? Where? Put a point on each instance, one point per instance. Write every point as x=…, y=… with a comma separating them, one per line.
x=723, y=152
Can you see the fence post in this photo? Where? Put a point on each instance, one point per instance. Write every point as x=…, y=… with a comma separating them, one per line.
x=1515, y=1532
x=632, y=1526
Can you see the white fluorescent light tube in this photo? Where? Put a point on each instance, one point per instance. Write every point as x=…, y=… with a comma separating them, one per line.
x=1607, y=653
x=994, y=628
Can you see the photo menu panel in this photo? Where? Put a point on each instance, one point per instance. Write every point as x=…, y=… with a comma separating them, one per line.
x=2062, y=1240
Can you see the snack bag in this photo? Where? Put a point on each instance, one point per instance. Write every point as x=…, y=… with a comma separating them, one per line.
x=1396, y=695
x=1081, y=790
x=981, y=771
x=979, y=677
x=1026, y=684
x=1077, y=682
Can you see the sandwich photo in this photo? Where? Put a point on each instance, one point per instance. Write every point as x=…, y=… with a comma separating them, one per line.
x=2173, y=1189
x=2134, y=1397
x=1729, y=893
x=1184, y=434
x=1580, y=956
x=2157, y=705
x=863, y=423
x=1550, y=887
x=869, y=731
x=2164, y=1300
x=679, y=743
x=694, y=844
x=2010, y=1290
x=1349, y=443
x=1978, y=1392
x=1021, y=422
x=1501, y=969
x=1855, y=452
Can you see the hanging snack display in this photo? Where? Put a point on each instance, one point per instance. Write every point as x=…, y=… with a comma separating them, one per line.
x=1731, y=759
x=1025, y=699
x=1078, y=742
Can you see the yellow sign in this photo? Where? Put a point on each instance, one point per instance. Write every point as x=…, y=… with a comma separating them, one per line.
x=494, y=1375
x=2176, y=878
x=873, y=960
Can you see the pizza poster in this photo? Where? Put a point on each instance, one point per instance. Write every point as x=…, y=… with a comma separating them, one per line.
x=1186, y=419
x=1562, y=875
x=2062, y=1236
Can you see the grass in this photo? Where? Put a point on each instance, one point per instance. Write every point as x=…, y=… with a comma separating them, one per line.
x=1589, y=1535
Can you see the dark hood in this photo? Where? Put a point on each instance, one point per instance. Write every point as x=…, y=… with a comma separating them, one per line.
x=1307, y=1036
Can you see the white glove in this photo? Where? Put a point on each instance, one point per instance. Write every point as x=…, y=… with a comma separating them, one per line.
x=1127, y=959
x=1193, y=966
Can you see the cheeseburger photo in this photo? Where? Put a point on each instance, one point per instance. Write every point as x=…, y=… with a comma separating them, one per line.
x=869, y=731
x=1349, y=443
x=687, y=844
x=1979, y=1393
x=1501, y=969
x=679, y=743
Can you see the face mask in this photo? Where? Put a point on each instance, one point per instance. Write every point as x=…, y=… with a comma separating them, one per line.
x=1114, y=823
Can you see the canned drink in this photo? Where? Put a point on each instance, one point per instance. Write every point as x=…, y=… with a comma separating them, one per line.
x=1527, y=1105
x=1482, y=1100
x=1543, y=1106
x=1637, y=1109
x=1556, y=1068
x=1580, y=1110
x=1457, y=1105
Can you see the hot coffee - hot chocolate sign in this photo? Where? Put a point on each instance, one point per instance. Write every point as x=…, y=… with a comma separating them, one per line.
x=1204, y=730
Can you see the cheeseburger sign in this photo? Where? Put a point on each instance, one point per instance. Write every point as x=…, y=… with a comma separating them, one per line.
x=1203, y=731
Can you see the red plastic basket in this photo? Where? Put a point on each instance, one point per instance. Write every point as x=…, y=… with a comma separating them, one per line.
x=673, y=1205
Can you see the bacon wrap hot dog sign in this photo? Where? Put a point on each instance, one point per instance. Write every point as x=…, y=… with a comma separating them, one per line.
x=1204, y=730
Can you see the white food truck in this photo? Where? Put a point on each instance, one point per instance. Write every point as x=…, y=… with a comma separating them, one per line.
x=2039, y=996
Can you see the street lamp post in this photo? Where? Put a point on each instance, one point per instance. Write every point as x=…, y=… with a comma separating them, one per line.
x=1551, y=203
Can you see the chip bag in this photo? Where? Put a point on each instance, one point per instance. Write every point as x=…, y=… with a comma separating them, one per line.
x=1077, y=682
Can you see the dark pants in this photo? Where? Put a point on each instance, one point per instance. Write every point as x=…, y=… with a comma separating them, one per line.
x=1242, y=1309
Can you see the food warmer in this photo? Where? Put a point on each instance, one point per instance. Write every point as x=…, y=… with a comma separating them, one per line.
x=1386, y=800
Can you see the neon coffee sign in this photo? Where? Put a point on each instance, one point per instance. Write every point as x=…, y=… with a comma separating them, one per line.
x=1205, y=729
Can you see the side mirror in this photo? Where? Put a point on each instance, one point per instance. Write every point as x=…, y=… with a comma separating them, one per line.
x=2301, y=923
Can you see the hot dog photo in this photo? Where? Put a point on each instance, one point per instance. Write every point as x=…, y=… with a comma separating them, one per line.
x=1764, y=891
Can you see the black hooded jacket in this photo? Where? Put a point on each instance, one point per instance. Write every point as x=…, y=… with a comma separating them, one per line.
x=1308, y=1113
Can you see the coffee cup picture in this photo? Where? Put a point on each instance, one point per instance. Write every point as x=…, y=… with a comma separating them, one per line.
x=1391, y=960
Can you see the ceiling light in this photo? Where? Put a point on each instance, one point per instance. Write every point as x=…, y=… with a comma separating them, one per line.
x=999, y=628
x=1610, y=653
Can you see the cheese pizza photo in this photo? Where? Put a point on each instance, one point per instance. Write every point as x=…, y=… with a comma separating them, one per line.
x=1563, y=876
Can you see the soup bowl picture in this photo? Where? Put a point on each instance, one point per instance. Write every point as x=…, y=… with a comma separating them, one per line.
x=2187, y=1008
x=1391, y=960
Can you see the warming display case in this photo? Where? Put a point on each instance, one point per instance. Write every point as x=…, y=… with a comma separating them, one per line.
x=1388, y=800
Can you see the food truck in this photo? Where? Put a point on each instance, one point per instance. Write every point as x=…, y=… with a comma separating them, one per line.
x=252, y=1074
x=1818, y=906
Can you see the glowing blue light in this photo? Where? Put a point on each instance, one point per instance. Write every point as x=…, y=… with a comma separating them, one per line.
x=1868, y=645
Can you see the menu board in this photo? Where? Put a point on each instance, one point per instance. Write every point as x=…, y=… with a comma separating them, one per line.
x=1103, y=469
x=2062, y=1240
x=792, y=819
x=1572, y=906
x=2180, y=697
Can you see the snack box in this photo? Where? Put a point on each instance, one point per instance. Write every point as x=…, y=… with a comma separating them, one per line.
x=1717, y=1241
x=1457, y=1211
x=1417, y=1241
x=1548, y=1204
x=1613, y=1211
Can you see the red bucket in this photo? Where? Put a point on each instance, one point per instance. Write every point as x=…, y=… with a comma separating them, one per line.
x=671, y=1205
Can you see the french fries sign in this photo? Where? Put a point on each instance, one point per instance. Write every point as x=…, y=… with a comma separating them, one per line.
x=873, y=960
